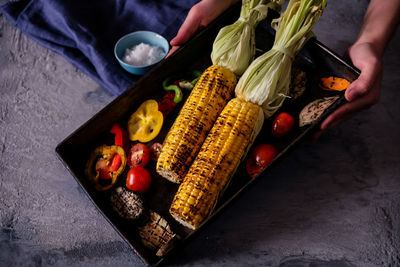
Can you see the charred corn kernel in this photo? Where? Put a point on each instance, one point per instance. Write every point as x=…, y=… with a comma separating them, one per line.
x=201, y=109
x=225, y=146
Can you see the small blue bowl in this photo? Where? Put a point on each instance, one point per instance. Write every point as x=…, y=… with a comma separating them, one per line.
x=135, y=38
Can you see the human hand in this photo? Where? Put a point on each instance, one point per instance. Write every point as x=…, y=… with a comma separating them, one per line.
x=199, y=16
x=363, y=92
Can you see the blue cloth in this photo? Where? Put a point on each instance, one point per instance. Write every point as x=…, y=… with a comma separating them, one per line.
x=85, y=32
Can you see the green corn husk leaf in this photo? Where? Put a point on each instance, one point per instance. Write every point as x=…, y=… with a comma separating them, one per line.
x=266, y=81
x=234, y=46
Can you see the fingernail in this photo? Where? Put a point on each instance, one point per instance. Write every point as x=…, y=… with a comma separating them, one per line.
x=351, y=94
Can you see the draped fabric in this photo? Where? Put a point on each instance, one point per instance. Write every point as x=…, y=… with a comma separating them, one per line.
x=85, y=31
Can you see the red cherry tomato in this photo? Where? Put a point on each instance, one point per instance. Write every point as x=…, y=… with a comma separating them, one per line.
x=282, y=125
x=260, y=157
x=264, y=154
x=155, y=151
x=138, y=179
x=139, y=155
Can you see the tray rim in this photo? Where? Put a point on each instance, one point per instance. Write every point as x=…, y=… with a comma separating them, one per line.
x=229, y=201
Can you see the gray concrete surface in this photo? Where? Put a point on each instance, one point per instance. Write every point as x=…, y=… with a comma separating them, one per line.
x=337, y=205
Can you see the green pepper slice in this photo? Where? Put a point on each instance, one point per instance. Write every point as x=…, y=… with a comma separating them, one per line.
x=178, y=92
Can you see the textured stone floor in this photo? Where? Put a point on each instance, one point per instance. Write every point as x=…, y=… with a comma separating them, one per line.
x=337, y=205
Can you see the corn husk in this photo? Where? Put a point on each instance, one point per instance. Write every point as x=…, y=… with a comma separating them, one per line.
x=266, y=81
x=234, y=46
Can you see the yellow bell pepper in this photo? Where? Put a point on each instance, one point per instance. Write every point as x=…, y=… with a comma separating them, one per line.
x=145, y=124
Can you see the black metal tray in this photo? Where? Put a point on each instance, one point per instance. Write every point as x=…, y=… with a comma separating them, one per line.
x=316, y=59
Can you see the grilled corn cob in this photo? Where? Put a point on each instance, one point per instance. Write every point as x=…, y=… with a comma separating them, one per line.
x=225, y=146
x=201, y=109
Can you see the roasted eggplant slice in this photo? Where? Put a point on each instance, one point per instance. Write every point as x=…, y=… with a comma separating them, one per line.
x=314, y=110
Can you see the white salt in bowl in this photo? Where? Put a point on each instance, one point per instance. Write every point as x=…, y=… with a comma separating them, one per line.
x=141, y=45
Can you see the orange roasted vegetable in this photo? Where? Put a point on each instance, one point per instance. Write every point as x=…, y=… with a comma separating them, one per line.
x=104, y=166
x=145, y=124
x=334, y=83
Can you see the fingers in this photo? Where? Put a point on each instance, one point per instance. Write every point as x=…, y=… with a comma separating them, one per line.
x=370, y=71
x=188, y=28
x=200, y=15
x=349, y=109
x=363, y=84
x=363, y=92
x=172, y=50
x=338, y=116
x=342, y=113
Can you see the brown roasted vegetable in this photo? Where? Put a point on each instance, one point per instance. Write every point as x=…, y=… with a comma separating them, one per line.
x=126, y=203
x=314, y=110
x=298, y=83
x=157, y=235
x=332, y=83
x=104, y=166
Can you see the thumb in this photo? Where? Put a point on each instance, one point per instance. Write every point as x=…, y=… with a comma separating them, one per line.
x=363, y=84
x=188, y=28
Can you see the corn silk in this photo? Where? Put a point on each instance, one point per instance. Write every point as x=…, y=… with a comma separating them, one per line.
x=234, y=46
x=266, y=81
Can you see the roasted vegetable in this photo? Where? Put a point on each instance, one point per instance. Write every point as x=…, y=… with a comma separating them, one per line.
x=155, y=151
x=102, y=165
x=189, y=84
x=145, y=124
x=138, y=155
x=315, y=109
x=195, y=119
x=167, y=104
x=229, y=139
x=259, y=158
x=138, y=179
x=232, y=52
x=241, y=120
x=334, y=83
x=175, y=88
x=157, y=235
x=282, y=125
x=127, y=204
x=298, y=83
